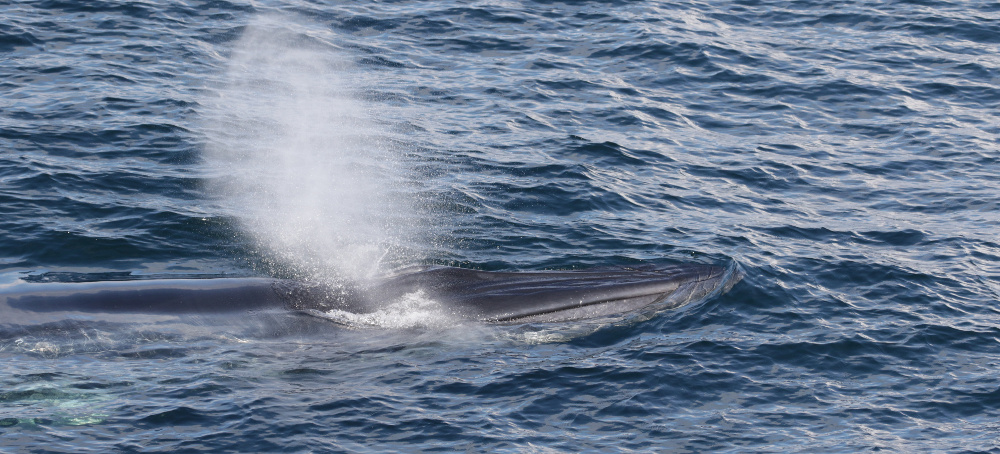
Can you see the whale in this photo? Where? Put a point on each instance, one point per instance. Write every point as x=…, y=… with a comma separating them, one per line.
x=493, y=297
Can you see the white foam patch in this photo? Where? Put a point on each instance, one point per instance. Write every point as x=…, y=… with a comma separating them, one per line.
x=412, y=310
x=552, y=333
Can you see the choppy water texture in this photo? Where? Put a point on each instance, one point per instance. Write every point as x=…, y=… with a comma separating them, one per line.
x=844, y=154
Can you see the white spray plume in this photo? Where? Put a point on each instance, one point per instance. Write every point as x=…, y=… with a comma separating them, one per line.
x=298, y=157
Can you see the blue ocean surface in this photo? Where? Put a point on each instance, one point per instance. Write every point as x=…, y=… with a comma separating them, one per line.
x=844, y=155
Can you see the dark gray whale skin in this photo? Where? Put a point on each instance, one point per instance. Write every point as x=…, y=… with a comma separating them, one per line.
x=491, y=297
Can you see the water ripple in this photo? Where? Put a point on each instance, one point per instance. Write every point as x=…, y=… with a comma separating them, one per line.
x=843, y=153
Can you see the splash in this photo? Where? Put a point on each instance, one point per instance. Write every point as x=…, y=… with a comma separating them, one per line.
x=298, y=156
x=412, y=310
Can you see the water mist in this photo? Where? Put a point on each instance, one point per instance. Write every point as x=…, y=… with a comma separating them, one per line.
x=297, y=155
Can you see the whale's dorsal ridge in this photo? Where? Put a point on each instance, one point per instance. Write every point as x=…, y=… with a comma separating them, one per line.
x=485, y=296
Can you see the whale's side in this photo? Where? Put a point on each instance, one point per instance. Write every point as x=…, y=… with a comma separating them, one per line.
x=160, y=296
x=491, y=297
x=547, y=296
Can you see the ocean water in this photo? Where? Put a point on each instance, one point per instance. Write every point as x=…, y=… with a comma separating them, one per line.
x=844, y=155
